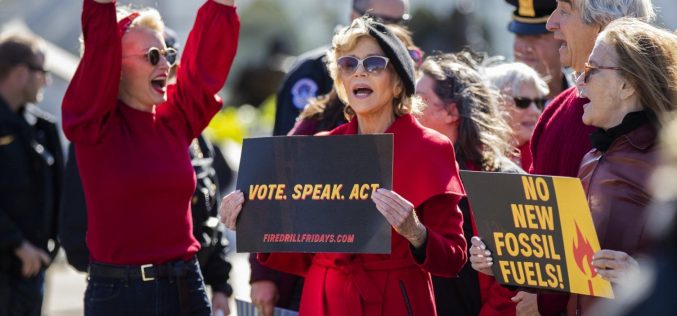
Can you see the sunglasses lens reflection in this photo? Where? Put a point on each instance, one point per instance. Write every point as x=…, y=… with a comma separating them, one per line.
x=154, y=56
x=374, y=64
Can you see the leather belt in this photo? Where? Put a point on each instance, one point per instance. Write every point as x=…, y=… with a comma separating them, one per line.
x=146, y=272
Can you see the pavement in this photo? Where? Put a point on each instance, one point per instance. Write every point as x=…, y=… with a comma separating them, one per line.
x=65, y=286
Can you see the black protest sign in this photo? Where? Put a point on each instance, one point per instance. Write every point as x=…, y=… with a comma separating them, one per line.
x=539, y=230
x=313, y=194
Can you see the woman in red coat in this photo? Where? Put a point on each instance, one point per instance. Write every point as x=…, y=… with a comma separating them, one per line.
x=374, y=76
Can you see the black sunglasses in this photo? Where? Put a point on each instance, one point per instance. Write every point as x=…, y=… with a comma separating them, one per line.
x=589, y=68
x=372, y=64
x=524, y=103
x=154, y=53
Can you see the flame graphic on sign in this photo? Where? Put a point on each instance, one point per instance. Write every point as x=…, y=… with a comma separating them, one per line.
x=583, y=255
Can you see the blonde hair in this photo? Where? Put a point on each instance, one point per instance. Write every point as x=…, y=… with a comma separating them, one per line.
x=647, y=56
x=346, y=40
x=148, y=17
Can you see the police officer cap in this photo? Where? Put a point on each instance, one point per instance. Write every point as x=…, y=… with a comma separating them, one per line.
x=530, y=16
x=397, y=53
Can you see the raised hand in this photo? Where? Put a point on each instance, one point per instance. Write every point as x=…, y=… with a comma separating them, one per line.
x=230, y=208
x=480, y=257
x=400, y=214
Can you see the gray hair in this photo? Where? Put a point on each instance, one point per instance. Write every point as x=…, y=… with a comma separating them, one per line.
x=602, y=12
x=511, y=76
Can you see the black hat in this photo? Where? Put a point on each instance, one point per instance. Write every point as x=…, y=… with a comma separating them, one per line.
x=397, y=53
x=530, y=16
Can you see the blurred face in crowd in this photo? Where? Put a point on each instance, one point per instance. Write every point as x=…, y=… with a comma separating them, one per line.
x=522, y=121
x=578, y=38
x=606, y=88
x=435, y=114
x=142, y=84
x=388, y=10
x=539, y=51
x=36, y=81
x=369, y=86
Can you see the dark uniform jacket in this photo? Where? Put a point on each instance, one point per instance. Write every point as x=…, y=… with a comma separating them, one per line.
x=308, y=78
x=212, y=173
x=31, y=167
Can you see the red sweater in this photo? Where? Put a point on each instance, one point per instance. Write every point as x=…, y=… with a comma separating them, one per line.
x=560, y=139
x=136, y=171
x=425, y=173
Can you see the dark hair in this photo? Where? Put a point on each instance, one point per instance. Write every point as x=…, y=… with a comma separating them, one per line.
x=16, y=50
x=482, y=131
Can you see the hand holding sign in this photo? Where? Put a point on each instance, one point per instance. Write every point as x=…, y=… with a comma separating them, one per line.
x=400, y=214
x=230, y=208
x=480, y=257
x=614, y=265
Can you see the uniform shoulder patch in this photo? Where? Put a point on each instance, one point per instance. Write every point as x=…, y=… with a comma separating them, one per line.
x=302, y=91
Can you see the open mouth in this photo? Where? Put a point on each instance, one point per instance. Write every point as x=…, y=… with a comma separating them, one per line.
x=159, y=84
x=362, y=91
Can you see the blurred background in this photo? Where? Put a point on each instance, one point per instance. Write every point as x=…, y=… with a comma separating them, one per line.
x=273, y=32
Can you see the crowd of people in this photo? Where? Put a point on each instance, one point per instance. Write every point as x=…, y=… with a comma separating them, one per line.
x=138, y=201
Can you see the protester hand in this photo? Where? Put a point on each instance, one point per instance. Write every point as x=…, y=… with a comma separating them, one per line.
x=226, y=2
x=527, y=304
x=400, y=214
x=32, y=259
x=230, y=208
x=614, y=266
x=264, y=295
x=220, y=303
x=480, y=257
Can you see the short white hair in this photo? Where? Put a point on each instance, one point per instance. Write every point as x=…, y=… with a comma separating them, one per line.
x=510, y=77
x=602, y=12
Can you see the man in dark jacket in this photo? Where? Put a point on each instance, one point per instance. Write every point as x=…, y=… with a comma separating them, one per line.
x=31, y=166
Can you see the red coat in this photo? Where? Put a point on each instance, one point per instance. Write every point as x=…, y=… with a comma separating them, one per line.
x=426, y=174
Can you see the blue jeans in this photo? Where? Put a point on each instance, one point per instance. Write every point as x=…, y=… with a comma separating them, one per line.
x=21, y=296
x=128, y=297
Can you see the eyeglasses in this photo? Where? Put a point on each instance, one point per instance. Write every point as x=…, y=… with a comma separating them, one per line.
x=372, y=64
x=524, y=103
x=382, y=18
x=589, y=68
x=154, y=54
x=417, y=55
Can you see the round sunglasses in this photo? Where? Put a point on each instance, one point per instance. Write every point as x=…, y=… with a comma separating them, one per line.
x=524, y=103
x=154, y=53
x=372, y=64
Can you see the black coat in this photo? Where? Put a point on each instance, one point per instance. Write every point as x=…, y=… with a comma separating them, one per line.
x=31, y=167
x=212, y=173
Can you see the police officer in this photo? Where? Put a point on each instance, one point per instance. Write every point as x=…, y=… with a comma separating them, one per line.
x=534, y=45
x=309, y=76
x=31, y=166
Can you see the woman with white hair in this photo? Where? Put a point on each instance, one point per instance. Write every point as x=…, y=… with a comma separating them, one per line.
x=523, y=95
x=132, y=132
